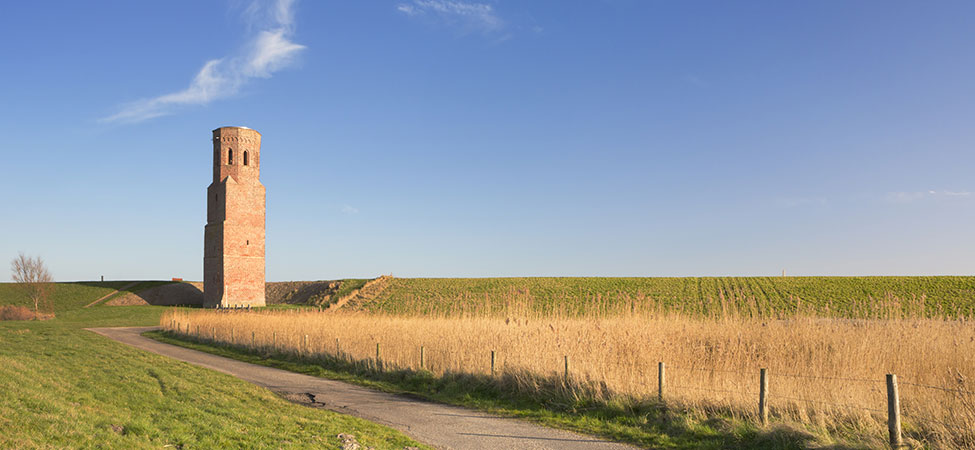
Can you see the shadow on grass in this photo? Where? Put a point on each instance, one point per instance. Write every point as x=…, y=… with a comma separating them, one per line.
x=576, y=405
x=150, y=292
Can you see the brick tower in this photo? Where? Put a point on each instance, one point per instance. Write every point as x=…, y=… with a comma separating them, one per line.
x=233, y=247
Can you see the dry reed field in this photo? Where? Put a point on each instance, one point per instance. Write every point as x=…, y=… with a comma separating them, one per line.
x=827, y=374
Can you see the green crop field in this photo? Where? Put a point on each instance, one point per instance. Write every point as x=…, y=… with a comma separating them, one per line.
x=65, y=387
x=876, y=297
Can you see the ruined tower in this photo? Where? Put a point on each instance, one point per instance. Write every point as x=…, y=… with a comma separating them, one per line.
x=233, y=247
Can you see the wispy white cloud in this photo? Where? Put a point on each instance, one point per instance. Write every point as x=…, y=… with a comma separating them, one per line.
x=907, y=197
x=346, y=209
x=465, y=16
x=409, y=10
x=268, y=51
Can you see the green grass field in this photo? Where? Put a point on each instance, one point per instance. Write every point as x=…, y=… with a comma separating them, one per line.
x=64, y=387
x=928, y=296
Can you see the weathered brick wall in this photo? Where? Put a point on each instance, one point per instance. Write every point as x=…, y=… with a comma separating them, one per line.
x=233, y=256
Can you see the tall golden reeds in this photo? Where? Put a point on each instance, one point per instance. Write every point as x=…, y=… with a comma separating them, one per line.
x=828, y=373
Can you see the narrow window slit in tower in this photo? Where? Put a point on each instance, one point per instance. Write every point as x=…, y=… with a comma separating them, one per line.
x=230, y=156
x=245, y=157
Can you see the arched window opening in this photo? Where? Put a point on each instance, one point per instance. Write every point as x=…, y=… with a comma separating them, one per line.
x=230, y=156
x=245, y=157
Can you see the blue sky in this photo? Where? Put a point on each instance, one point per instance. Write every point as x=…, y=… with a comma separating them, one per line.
x=496, y=138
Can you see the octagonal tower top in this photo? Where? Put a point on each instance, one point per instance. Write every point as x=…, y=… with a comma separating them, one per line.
x=237, y=154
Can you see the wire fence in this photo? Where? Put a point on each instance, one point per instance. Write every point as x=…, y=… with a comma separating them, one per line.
x=823, y=402
x=939, y=388
x=887, y=387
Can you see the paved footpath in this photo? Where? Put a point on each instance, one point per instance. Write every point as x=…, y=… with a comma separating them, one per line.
x=441, y=426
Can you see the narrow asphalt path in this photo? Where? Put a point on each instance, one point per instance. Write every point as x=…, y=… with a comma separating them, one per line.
x=441, y=426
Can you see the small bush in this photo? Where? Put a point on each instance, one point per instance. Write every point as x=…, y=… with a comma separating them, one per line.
x=11, y=312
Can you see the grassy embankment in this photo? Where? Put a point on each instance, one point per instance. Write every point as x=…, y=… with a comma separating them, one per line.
x=346, y=288
x=307, y=295
x=64, y=387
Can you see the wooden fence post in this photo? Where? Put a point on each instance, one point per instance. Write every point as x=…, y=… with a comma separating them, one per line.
x=304, y=345
x=231, y=335
x=338, y=349
x=252, y=340
x=763, y=397
x=378, y=364
x=566, y=367
x=423, y=362
x=492, y=362
x=893, y=412
x=661, y=376
x=274, y=339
